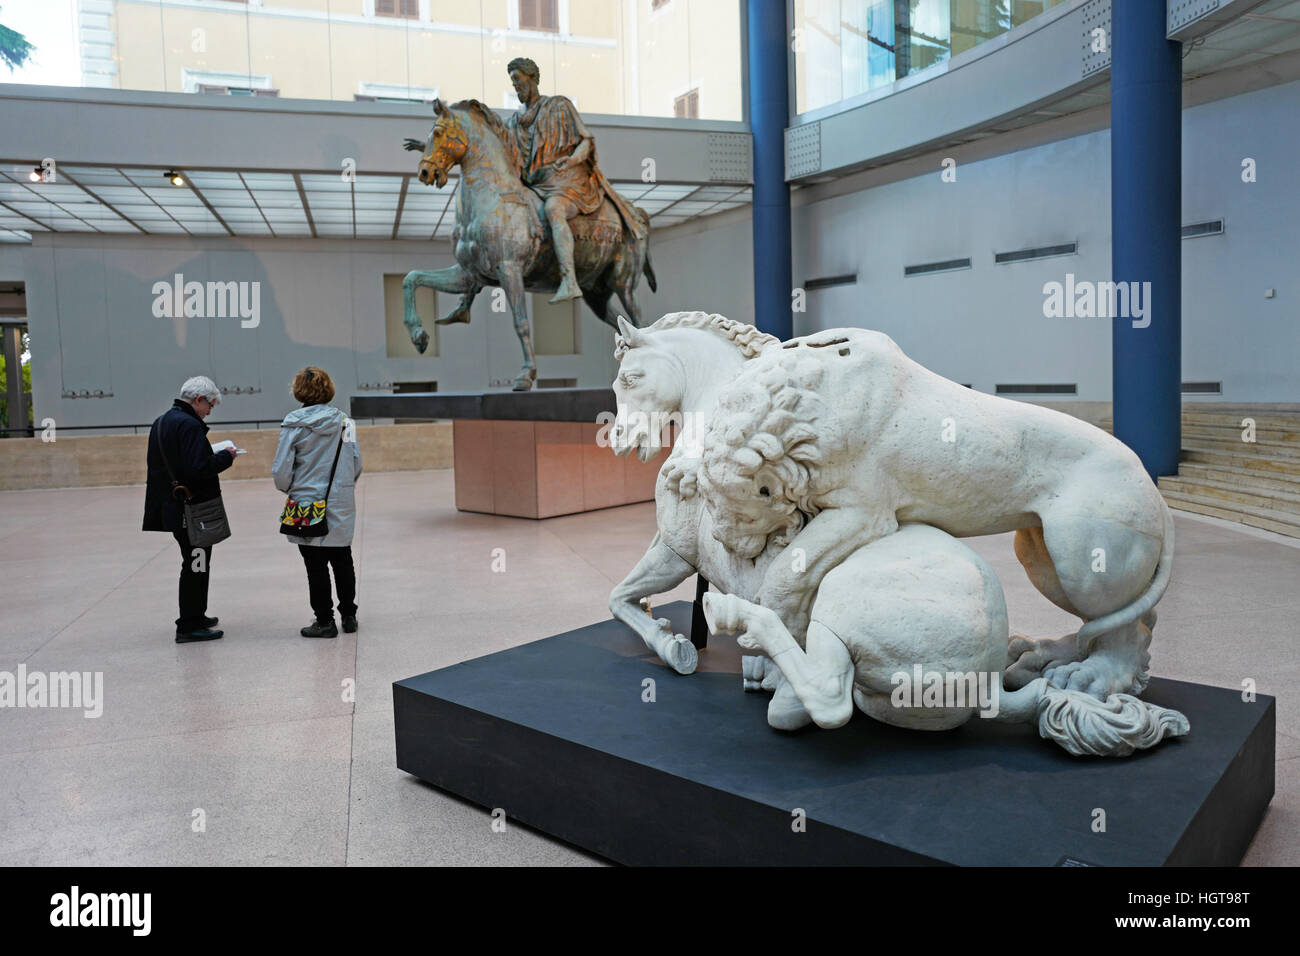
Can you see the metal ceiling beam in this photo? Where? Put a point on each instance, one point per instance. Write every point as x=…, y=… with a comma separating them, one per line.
x=166, y=211
x=99, y=199
x=256, y=205
x=306, y=208
x=43, y=225
x=401, y=201
x=204, y=199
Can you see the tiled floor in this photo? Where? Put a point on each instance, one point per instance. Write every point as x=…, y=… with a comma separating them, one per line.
x=265, y=747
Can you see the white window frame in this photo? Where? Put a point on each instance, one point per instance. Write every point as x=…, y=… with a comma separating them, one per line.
x=191, y=80
x=399, y=90
x=368, y=11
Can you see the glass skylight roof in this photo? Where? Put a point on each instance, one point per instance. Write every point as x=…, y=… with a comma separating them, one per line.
x=134, y=200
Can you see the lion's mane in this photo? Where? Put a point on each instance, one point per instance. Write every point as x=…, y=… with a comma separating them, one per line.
x=765, y=430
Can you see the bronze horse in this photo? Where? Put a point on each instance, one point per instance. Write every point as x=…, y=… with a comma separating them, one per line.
x=501, y=237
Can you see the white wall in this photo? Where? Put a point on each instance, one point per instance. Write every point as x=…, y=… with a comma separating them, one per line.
x=985, y=326
x=92, y=324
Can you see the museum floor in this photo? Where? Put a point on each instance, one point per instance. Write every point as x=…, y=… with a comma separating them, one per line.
x=252, y=737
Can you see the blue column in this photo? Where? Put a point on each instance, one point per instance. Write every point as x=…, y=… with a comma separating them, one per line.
x=768, y=114
x=1145, y=197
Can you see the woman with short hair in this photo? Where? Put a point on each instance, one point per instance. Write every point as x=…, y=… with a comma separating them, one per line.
x=315, y=441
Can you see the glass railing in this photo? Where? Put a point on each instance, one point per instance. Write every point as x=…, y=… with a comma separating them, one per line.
x=844, y=48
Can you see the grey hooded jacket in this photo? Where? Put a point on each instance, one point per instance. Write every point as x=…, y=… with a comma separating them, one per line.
x=308, y=437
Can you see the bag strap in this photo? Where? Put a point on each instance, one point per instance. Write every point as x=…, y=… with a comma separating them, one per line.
x=157, y=433
x=329, y=484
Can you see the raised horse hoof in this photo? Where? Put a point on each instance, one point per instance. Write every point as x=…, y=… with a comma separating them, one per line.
x=567, y=290
x=525, y=380
x=421, y=341
x=460, y=315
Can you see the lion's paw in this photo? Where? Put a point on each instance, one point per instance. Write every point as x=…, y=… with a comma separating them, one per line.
x=681, y=476
x=1101, y=674
x=1030, y=658
x=759, y=673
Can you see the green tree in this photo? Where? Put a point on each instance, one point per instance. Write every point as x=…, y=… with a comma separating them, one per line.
x=4, y=389
x=14, y=48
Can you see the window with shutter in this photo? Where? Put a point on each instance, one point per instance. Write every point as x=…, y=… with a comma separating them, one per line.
x=539, y=15
x=401, y=9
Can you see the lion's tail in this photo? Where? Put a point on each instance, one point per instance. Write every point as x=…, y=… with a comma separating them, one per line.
x=1086, y=726
x=1144, y=604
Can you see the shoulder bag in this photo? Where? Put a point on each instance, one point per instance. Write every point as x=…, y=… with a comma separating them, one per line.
x=306, y=519
x=205, y=521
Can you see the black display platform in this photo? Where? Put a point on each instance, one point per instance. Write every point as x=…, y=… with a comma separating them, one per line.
x=556, y=734
x=538, y=405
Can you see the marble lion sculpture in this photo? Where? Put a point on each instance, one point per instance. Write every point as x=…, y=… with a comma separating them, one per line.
x=913, y=598
x=835, y=439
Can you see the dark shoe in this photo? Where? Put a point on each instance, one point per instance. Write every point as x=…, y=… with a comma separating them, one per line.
x=202, y=634
x=210, y=621
x=350, y=623
x=320, y=629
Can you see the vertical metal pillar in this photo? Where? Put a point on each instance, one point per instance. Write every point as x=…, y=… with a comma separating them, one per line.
x=1146, y=196
x=768, y=114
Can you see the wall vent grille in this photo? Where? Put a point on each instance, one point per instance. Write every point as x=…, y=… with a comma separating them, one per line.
x=929, y=268
x=1038, y=252
x=1036, y=389
x=825, y=282
x=1202, y=388
x=1213, y=227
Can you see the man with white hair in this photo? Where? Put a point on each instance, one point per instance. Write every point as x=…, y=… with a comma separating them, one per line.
x=180, y=435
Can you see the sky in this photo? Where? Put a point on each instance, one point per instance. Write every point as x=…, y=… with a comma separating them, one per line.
x=50, y=25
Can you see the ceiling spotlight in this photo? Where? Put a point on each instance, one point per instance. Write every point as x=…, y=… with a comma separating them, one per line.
x=37, y=174
x=175, y=178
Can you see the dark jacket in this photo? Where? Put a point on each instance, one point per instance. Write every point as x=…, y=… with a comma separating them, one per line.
x=183, y=436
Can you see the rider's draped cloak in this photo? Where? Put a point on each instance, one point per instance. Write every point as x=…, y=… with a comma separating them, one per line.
x=551, y=129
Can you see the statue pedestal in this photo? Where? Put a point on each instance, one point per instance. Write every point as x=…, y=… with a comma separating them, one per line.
x=557, y=734
x=530, y=454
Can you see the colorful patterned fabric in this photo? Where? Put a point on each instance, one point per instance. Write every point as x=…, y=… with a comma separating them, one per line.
x=302, y=514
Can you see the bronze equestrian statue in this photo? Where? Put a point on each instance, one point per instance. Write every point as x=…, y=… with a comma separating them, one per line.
x=533, y=213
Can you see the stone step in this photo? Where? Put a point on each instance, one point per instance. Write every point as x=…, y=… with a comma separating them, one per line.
x=1235, y=446
x=1285, y=418
x=1244, y=478
x=1283, y=465
x=1233, y=430
x=1231, y=494
x=1265, y=518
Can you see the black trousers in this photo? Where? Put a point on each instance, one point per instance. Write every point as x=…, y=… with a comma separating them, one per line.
x=195, y=566
x=319, y=560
